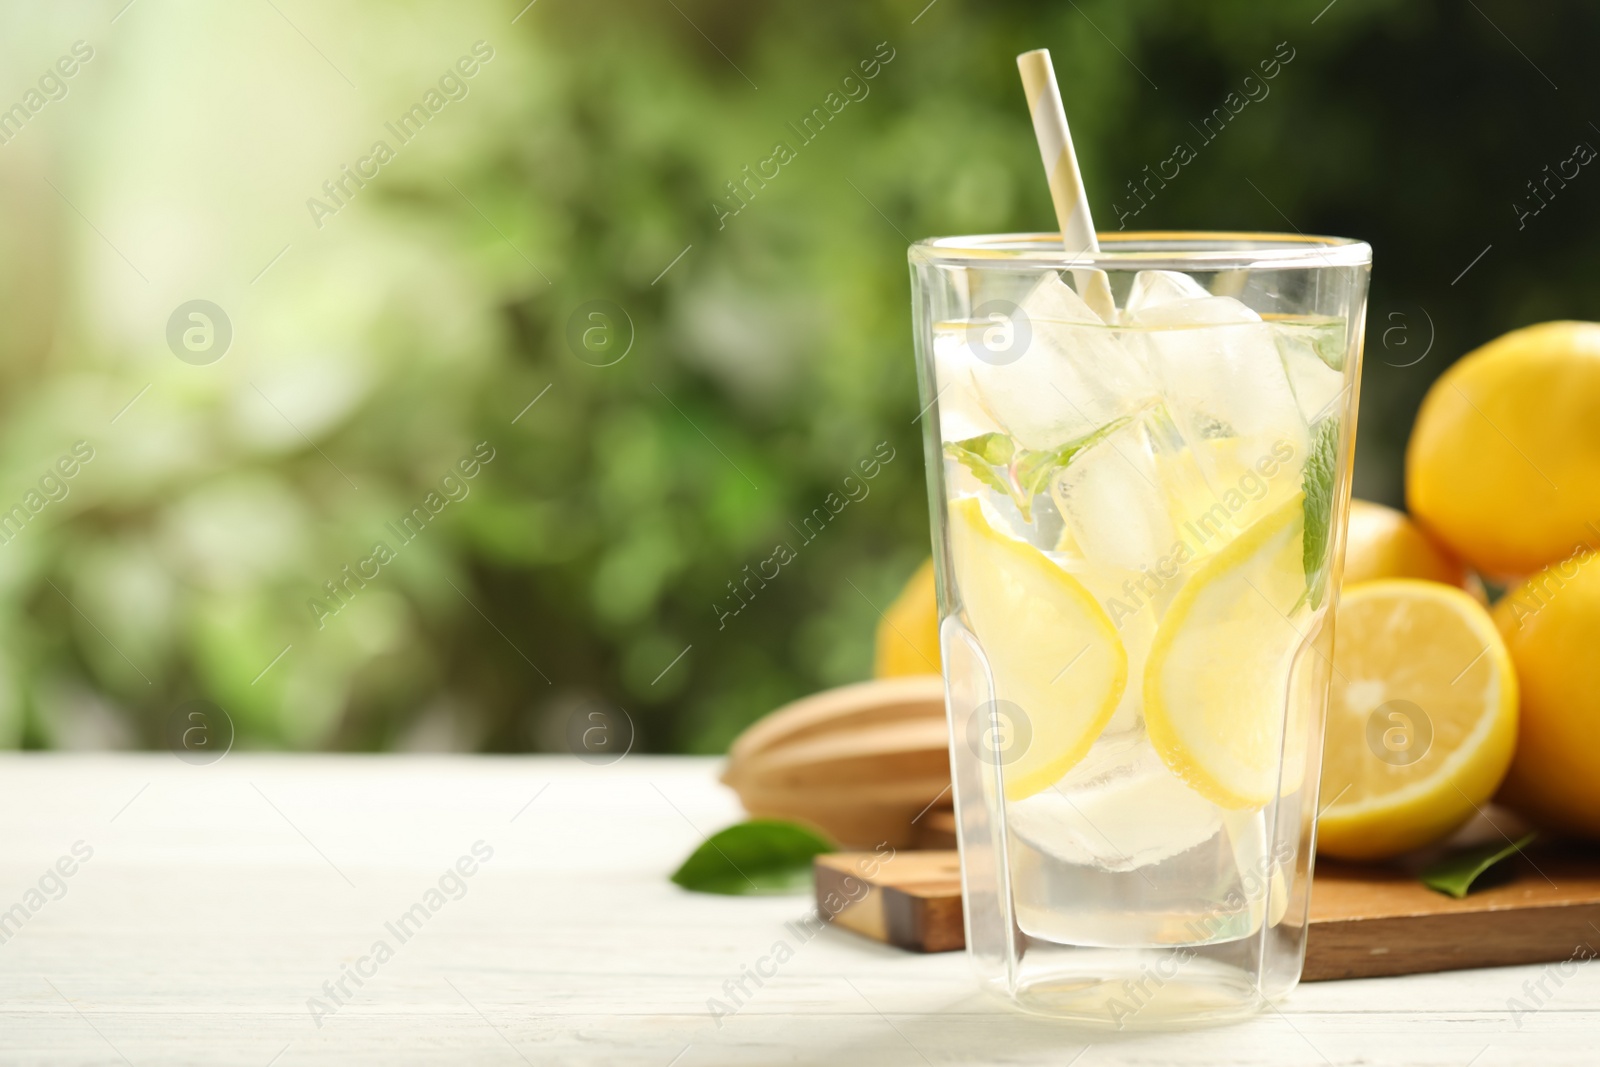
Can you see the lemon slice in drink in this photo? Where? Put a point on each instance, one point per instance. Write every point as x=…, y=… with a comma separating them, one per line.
x=1052, y=650
x=1216, y=682
x=1422, y=717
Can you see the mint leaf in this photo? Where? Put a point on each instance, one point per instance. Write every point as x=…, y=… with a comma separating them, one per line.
x=1329, y=342
x=1317, y=485
x=1030, y=474
x=981, y=455
x=1031, y=471
x=1455, y=873
x=1017, y=472
x=993, y=448
x=762, y=856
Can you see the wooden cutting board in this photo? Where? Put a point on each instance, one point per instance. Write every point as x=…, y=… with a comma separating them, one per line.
x=1368, y=921
x=1365, y=921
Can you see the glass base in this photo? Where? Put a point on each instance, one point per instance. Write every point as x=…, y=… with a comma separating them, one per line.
x=1134, y=989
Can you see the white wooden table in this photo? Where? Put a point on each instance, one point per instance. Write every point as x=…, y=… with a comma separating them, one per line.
x=219, y=899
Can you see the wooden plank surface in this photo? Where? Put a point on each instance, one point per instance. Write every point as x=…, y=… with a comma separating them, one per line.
x=1368, y=921
x=1365, y=921
x=905, y=901
x=219, y=900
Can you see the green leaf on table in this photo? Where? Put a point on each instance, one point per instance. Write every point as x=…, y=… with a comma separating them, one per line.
x=1455, y=873
x=762, y=856
x=1317, y=485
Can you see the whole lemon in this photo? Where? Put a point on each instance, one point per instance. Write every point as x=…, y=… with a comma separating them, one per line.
x=1504, y=460
x=908, y=633
x=1551, y=625
x=1383, y=543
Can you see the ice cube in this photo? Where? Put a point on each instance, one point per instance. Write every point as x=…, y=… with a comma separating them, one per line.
x=1130, y=505
x=1051, y=370
x=1103, y=364
x=1151, y=288
x=1054, y=300
x=961, y=415
x=1261, y=882
x=1125, y=497
x=1202, y=310
x=1218, y=366
x=1111, y=499
x=1119, y=809
x=1316, y=385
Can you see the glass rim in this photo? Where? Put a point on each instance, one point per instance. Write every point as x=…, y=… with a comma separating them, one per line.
x=1148, y=250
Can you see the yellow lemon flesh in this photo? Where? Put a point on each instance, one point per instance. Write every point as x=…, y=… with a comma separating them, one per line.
x=1034, y=620
x=1217, y=679
x=1504, y=464
x=908, y=633
x=1552, y=627
x=1383, y=543
x=1422, y=718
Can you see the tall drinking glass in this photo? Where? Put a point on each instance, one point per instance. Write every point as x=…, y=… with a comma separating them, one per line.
x=1138, y=516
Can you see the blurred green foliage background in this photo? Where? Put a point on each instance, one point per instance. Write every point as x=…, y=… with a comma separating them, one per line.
x=770, y=349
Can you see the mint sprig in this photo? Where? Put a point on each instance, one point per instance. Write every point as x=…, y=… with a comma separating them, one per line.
x=1317, y=485
x=981, y=455
x=1019, y=473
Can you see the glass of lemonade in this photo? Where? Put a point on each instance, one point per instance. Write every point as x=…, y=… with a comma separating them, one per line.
x=1138, y=502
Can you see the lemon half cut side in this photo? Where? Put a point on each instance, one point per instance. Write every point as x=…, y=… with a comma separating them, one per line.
x=1422, y=717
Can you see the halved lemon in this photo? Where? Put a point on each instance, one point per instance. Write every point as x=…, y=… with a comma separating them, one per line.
x=1051, y=648
x=1422, y=717
x=1216, y=684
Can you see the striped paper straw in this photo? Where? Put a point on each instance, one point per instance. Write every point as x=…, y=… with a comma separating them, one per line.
x=1061, y=170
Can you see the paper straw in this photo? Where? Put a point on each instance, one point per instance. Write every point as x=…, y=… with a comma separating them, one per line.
x=1061, y=171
